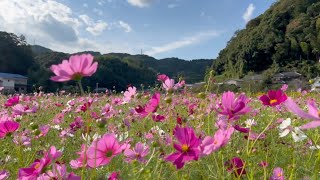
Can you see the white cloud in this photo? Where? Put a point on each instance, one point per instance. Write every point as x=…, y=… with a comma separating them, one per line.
x=52, y=24
x=98, y=11
x=140, y=3
x=95, y=28
x=171, y=6
x=247, y=16
x=101, y=2
x=127, y=28
x=39, y=19
x=197, y=38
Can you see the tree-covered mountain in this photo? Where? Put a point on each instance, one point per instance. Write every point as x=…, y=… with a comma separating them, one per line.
x=285, y=37
x=115, y=70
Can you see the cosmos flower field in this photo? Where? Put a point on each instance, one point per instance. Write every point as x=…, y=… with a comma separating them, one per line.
x=167, y=132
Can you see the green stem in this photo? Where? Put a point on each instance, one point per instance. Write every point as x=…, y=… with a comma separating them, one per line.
x=80, y=86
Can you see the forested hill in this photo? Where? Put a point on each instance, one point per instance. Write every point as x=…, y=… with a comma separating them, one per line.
x=285, y=37
x=115, y=69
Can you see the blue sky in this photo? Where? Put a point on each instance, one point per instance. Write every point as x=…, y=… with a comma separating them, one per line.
x=188, y=29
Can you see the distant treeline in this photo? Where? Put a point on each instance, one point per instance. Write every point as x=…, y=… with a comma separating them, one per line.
x=115, y=70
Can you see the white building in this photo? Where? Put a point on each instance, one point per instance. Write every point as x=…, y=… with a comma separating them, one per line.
x=13, y=82
x=315, y=86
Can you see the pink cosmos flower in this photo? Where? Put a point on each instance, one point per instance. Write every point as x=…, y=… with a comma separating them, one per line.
x=180, y=84
x=241, y=129
x=77, y=67
x=107, y=111
x=273, y=98
x=12, y=101
x=82, y=160
x=168, y=84
x=59, y=171
x=114, y=176
x=22, y=139
x=5, y=117
x=220, y=139
x=232, y=106
x=162, y=77
x=130, y=94
x=44, y=129
x=85, y=106
x=138, y=153
x=278, y=174
x=103, y=150
x=313, y=113
x=8, y=127
x=150, y=107
x=76, y=124
x=4, y=174
x=188, y=148
x=116, y=101
x=158, y=118
x=263, y=164
x=284, y=87
x=19, y=109
x=236, y=165
x=153, y=103
x=37, y=166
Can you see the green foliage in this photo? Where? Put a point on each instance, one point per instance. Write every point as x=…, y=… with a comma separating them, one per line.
x=286, y=33
x=15, y=54
x=115, y=70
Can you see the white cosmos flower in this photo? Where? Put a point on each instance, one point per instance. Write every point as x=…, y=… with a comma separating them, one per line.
x=315, y=147
x=250, y=122
x=285, y=128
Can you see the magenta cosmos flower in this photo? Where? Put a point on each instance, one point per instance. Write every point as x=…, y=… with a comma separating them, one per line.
x=77, y=67
x=188, y=148
x=150, y=107
x=162, y=77
x=277, y=174
x=12, y=101
x=103, y=150
x=232, y=106
x=273, y=98
x=137, y=153
x=236, y=166
x=38, y=166
x=8, y=127
x=114, y=176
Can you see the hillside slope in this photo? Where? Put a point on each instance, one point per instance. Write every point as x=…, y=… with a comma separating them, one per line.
x=285, y=37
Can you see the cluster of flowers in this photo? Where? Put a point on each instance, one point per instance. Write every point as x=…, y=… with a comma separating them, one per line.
x=188, y=145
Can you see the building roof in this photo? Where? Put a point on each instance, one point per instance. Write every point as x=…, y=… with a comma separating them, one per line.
x=288, y=74
x=256, y=77
x=8, y=75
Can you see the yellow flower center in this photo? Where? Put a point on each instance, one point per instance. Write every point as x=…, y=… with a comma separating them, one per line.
x=279, y=174
x=37, y=166
x=272, y=101
x=184, y=147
